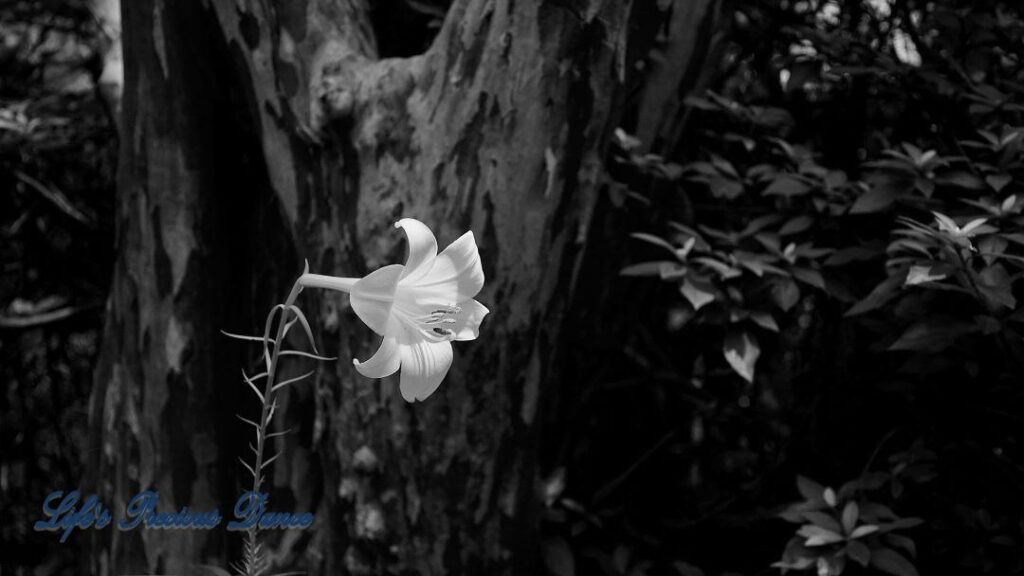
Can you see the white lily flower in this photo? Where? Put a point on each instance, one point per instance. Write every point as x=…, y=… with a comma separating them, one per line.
x=419, y=308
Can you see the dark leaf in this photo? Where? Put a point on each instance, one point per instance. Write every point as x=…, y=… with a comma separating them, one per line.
x=927, y=187
x=903, y=543
x=645, y=269
x=872, y=481
x=741, y=352
x=652, y=239
x=1017, y=316
x=995, y=286
x=933, y=334
x=817, y=536
x=728, y=189
x=874, y=512
x=924, y=274
x=961, y=179
x=724, y=271
x=891, y=562
x=901, y=524
x=796, y=225
x=558, y=557
x=852, y=254
x=992, y=247
x=684, y=569
x=785, y=293
x=809, y=276
x=760, y=223
x=765, y=320
x=826, y=521
x=769, y=241
x=795, y=512
x=882, y=294
x=787, y=185
x=876, y=199
x=892, y=166
x=858, y=552
x=697, y=293
x=851, y=512
x=998, y=181
x=810, y=489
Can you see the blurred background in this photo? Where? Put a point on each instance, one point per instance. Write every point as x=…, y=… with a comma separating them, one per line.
x=798, y=339
x=59, y=149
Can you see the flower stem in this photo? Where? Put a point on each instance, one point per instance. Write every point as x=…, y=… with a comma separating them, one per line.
x=330, y=282
x=263, y=423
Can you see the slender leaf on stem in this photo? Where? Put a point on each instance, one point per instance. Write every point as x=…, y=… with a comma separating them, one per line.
x=242, y=336
x=253, y=386
x=249, y=422
x=305, y=325
x=276, y=434
x=292, y=380
x=306, y=355
x=270, y=415
x=288, y=327
x=266, y=333
x=247, y=467
x=270, y=320
x=269, y=460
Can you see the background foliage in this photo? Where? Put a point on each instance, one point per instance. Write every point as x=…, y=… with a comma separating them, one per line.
x=812, y=356
x=823, y=282
x=57, y=153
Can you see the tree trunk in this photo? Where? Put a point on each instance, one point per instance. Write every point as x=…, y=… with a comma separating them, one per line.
x=259, y=134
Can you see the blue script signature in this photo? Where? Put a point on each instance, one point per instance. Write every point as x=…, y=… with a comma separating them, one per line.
x=66, y=512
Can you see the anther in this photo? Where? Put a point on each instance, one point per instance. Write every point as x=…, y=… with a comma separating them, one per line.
x=444, y=333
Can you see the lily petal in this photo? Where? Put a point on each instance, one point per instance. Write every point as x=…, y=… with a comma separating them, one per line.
x=424, y=366
x=384, y=362
x=456, y=275
x=422, y=248
x=467, y=321
x=373, y=295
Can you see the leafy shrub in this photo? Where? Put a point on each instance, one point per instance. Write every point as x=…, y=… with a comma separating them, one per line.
x=847, y=525
x=842, y=236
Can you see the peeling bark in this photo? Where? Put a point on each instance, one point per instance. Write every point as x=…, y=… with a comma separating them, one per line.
x=692, y=34
x=243, y=116
x=111, y=81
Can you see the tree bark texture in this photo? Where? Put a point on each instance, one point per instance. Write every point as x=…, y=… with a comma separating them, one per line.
x=256, y=134
x=693, y=38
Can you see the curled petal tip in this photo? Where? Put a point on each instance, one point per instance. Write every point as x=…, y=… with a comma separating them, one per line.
x=305, y=268
x=422, y=249
x=384, y=362
x=401, y=222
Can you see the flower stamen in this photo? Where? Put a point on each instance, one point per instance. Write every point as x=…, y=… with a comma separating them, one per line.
x=433, y=326
x=441, y=315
